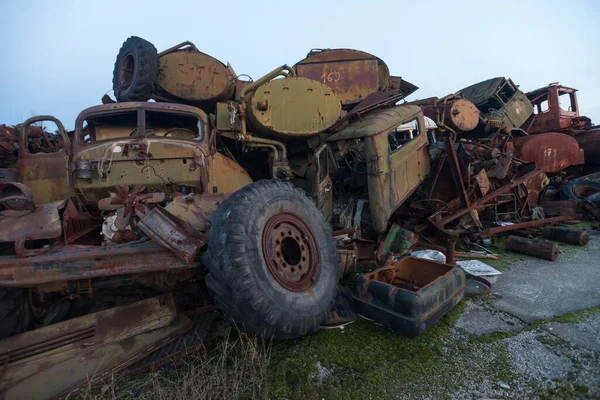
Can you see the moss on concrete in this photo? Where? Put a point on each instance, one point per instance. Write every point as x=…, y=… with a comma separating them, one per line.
x=365, y=360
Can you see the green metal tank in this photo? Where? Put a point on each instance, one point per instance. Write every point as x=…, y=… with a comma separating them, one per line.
x=194, y=76
x=352, y=74
x=293, y=107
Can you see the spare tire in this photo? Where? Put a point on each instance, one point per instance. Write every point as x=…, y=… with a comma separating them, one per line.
x=136, y=70
x=15, y=314
x=273, y=265
x=581, y=190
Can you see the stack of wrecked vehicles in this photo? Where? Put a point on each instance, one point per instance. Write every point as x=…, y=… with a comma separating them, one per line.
x=265, y=191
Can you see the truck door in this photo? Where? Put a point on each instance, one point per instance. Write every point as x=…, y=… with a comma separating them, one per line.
x=398, y=163
x=43, y=162
x=322, y=191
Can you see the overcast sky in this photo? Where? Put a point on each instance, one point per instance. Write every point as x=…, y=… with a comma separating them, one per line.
x=58, y=56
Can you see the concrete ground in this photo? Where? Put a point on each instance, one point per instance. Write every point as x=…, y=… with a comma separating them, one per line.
x=548, y=314
x=537, y=336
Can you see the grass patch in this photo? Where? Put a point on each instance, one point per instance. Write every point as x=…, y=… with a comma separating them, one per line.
x=365, y=360
x=234, y=369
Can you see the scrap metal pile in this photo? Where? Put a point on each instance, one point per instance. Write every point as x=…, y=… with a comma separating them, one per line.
x=239, y=185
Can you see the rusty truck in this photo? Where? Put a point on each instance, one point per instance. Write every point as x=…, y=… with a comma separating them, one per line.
x=242, y=184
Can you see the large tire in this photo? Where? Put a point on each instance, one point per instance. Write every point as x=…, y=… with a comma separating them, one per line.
x=581, y=190
x=136, y=70
x=15, y=314
x=273, y=288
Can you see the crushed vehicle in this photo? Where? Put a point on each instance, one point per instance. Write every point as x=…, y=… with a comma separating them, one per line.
x=557, y=110
x=265, y=191
x=139, y=192
x=501, y=104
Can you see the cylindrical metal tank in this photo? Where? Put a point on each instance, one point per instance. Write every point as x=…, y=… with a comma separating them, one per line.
x=532, y=247
x=551, y=151
x=196, y=77
x=459, y=115
x=352, y=74
x=293, y=107
x=565, y=235
x=589, y=141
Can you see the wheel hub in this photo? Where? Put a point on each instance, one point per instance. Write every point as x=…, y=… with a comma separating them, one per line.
x=126, y=70
x=290, y=252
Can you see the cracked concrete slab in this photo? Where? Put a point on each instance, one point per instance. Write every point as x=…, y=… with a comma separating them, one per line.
x=536, y=289
x=536, y=360
x=477, y=320
x=585, y=333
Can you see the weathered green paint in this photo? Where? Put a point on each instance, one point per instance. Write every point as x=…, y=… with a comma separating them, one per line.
x=194, y=76
x=398, y=241
x=293, y=107
x=391, y=177
x=499, y=99
x=377, y=122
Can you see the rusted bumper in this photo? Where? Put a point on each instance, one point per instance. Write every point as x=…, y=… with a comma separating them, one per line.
x=86, y=262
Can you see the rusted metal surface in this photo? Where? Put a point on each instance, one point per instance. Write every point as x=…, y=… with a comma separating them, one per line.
x=589, y=141
x=532, y=247
x=450, y=252
x=174, y=234
x=196, y=209
x=46, y=173
x=552, y=116
x=52, y=361
x=42, y=223
x=534, y=187
x=393, y=174
x=77, y=222
x=562, y=207
x=194, y=76
x=490, y=196
x=16, y=199
x=371, y=102
x=565, y=235
x=352, y=74
x=459, y=115
x=528, y=224
x=293, y=107
x=500, y=101
x=87, y=262
x=409, y=296
x=291, y=253
x=551, y=152
x=483, y=182
x=477, y=286
x=348, y=261
x=192, y=341
x=456, y=172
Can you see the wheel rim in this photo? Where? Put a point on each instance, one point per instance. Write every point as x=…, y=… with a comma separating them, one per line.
x=291, y=252
x=126, y=70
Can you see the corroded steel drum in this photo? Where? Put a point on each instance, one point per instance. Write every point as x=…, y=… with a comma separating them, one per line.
x=352, y=74
x=293, y=107
x=459, y=115
x=195, y=76
x=532, y=247
x=551, y=151
x=571, y=236
x=589, y=141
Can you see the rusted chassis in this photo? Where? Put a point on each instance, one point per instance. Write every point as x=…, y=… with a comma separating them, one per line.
x=73, y=263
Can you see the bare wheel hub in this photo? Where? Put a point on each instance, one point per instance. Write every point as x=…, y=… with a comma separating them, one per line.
x=290, y=252
x=126, y=70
